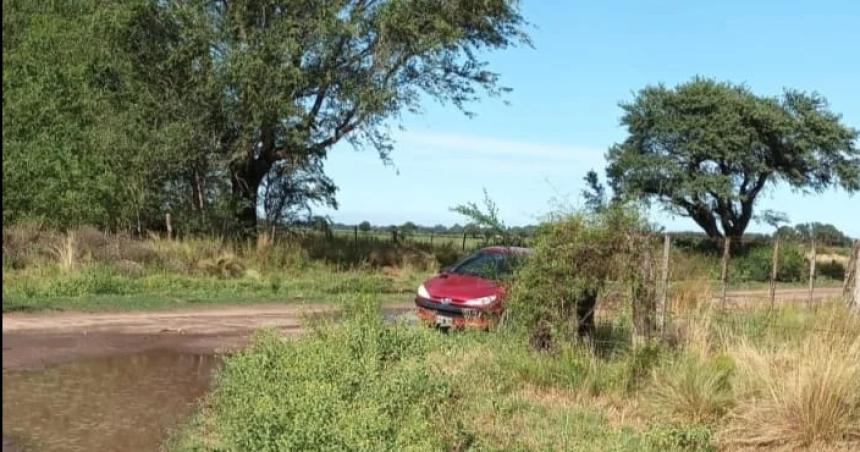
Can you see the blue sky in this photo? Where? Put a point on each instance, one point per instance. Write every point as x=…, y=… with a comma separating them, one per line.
x=563, y=113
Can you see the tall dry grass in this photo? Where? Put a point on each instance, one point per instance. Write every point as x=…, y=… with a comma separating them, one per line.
x=799, y=395
x=66, y=252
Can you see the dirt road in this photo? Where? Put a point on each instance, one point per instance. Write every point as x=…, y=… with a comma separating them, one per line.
x=32, y=340
x=796, y=294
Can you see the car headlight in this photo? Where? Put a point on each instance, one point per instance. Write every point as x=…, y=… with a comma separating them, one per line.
x=422, y=292
x=483, y=301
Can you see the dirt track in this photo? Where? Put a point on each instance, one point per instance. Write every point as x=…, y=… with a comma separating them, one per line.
x=36, y=339
x=758, y=295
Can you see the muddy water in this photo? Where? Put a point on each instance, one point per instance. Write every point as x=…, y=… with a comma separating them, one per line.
x=110, y=404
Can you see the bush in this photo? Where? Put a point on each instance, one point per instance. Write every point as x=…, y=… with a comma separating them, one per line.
x=574, y=257
x=755, y=264
x=356, y=386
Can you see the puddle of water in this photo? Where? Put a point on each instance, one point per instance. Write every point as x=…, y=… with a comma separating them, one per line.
x=118, y=403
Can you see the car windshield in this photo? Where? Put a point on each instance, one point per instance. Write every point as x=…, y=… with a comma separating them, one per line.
x=488, y=265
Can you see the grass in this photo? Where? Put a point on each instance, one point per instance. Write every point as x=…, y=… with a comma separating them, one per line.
x=101, y=287
x=89, y=270
x=803, y=395
x=776, y=380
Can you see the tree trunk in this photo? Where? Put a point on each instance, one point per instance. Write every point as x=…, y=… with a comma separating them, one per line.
x=246, y=179
x=585, y=314
x=197, y=190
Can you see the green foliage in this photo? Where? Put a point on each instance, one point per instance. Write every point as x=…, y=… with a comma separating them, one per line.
x=595, y=193
x=357, y=386
x=574, y=257
x=707, y=149
x=485, y=221
x=755, y=264
x=681, y=437
x=823, y=233
x=117, y=112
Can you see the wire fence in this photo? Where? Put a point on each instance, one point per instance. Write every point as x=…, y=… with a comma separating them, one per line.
x=659, y=308
x=679, y=268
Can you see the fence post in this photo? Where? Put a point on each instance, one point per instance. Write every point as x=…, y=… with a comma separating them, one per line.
x=774, y=271
x=851, y=287
x=724, y=275
x=169, y=226
x=665, y=309
x=812, y=272
x=644, y=294
x=464, y=240
x=355, y=235
x=856, y=304
x=394, y=235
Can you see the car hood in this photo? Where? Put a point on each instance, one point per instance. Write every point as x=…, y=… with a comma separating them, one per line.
x=461, y=287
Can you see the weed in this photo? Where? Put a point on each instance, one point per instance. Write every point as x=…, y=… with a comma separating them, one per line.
x=796, y=395
x=691, y=389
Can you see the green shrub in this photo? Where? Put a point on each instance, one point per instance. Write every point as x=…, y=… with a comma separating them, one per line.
x=356, y=386
x=755, y=264
x=680, y=437
x=832, y=269
x=574, y=258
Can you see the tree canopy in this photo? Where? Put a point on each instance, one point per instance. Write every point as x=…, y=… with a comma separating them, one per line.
x=707, y=150
x=823, y=233
x=123, y=110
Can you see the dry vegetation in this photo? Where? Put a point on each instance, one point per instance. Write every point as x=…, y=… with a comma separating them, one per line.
x=89, y=269
x=746, y=379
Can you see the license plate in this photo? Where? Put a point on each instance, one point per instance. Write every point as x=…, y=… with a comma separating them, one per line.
x=444, y=321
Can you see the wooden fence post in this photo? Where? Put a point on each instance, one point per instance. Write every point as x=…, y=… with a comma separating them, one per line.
x=464, y=240
x=355, y=235
x=812, y=272
x=724, y=275
x=169, y=226
x=856, y=304
x=774, y=271
x=851, y=287
x=665, y=309
x=644, y=293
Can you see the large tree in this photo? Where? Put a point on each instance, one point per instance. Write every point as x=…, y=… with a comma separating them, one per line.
x=708, y=149
x=117, y=111
x=298, y=76
x=104, y=113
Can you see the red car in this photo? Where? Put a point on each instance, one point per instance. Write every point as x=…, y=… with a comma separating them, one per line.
x=470, y=292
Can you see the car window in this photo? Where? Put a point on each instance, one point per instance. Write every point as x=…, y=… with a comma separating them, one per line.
x=488, y=265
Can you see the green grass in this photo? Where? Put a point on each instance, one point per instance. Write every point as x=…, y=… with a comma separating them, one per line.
x=100, y=288
x=365, y=385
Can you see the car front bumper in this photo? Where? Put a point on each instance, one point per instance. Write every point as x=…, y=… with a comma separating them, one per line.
x=457, y=316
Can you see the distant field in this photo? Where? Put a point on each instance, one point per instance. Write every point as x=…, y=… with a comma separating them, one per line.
x=419, y=237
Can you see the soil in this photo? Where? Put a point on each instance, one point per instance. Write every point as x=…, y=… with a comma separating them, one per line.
x=34, y=340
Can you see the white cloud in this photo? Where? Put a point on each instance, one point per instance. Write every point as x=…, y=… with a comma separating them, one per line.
x=483, y=146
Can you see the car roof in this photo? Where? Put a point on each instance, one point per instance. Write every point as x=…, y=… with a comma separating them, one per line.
x=521, y=250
